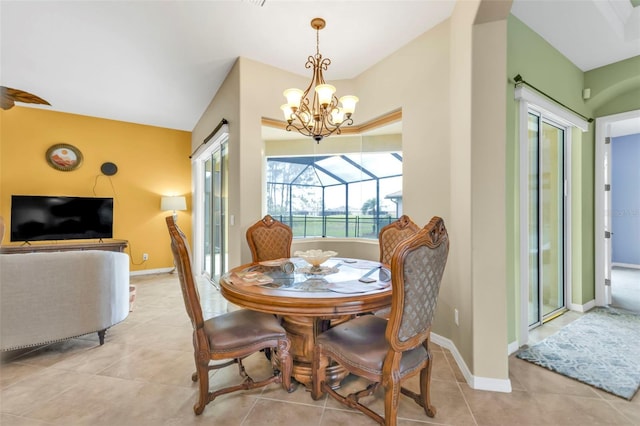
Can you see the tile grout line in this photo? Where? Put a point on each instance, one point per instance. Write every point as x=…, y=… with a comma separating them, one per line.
x=464, y=398
x=246, y=416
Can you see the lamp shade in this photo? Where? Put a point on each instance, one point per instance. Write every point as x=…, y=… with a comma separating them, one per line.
x=294, y=96
x=287, y=111
x=173, y=203
x=349, y=104
x=325, y=93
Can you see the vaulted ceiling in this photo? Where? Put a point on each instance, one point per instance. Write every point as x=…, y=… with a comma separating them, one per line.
x=161, y=62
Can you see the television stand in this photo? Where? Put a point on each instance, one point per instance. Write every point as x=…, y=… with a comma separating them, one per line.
x=109, y=245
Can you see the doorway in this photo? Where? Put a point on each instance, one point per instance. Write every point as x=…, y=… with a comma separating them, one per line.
x=214, y=214
x=545, y=137
x=210, y=177
x=607, y=128
x=546, y=219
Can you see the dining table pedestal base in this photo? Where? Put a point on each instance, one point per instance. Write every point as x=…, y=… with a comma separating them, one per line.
x=302, y=332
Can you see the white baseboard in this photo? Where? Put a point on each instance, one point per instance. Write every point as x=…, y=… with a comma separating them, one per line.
x=150, y=271
x=583, y=308
x=479, y=383
x=512, y=347
x=626, y=265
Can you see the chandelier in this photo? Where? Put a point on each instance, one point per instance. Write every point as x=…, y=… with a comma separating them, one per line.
x=316, y=111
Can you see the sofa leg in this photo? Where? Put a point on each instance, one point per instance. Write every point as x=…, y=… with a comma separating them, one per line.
x=101, y=336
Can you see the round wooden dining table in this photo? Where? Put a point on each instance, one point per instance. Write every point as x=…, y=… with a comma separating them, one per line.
x=309, y=300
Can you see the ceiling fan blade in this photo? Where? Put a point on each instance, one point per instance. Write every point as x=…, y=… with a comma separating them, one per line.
x=9, y=96
x=5, y=101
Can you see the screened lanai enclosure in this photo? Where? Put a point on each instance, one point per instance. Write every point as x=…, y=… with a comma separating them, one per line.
x=339, y=195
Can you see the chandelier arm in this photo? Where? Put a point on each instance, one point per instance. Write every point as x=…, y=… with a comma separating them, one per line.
x=324, y=64
x=311, y=62
x=301, y=129
x=333, y=105
x=328, y=123
x=329, y=131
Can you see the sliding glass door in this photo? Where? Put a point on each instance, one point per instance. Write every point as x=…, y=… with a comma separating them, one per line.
x=216, y=214
x=210, y=189
x=546, y=225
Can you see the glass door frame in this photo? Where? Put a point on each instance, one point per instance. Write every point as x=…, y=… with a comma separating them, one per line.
x=562, y=202
x=216, y=142
x=529, y=99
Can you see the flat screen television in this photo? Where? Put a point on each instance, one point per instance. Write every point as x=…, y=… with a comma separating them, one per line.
x=46, y=218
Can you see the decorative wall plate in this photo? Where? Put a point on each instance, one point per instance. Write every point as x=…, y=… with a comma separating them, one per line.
x=64, y=157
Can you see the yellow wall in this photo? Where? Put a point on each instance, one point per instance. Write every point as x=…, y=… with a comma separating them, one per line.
x=152, y=162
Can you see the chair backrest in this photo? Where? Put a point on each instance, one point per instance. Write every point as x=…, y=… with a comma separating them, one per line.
x=417, y=266
x=393, y=234
x=182, y=260
x=269, y=239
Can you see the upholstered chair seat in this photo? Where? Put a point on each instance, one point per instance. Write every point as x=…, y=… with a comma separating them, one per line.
x=239, y=329
x=363, y=339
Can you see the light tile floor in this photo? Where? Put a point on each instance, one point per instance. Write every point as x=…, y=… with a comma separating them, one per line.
x=142, y=376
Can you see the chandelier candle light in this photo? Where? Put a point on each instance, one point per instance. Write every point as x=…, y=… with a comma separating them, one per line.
x=315, y=112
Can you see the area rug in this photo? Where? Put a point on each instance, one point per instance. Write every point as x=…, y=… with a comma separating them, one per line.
x=601, y=348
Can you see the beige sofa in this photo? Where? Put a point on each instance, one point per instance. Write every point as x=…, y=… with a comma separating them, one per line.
x=51, y=296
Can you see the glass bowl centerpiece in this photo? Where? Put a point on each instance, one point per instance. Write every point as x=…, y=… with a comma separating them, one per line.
x=315, y=258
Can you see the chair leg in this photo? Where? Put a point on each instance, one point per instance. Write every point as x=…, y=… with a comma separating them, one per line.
x=425, y=389
x=241, y=371
x=286, y=365
x=101, y=334
x=391, y=397
x=318, y=374
x=202, y=375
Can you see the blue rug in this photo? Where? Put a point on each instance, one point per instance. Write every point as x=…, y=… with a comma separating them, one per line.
x=601, y=348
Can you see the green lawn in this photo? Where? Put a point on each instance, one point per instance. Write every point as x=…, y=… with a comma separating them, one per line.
x=336, y=226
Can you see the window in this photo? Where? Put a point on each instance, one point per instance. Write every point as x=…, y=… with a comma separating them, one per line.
x=340, y=195
x=346, y=186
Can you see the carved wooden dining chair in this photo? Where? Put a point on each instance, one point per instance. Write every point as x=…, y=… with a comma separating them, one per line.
x=269, y=239
x=388, y=239
x=393, y=234
x=390, y=351
x=232, y=336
